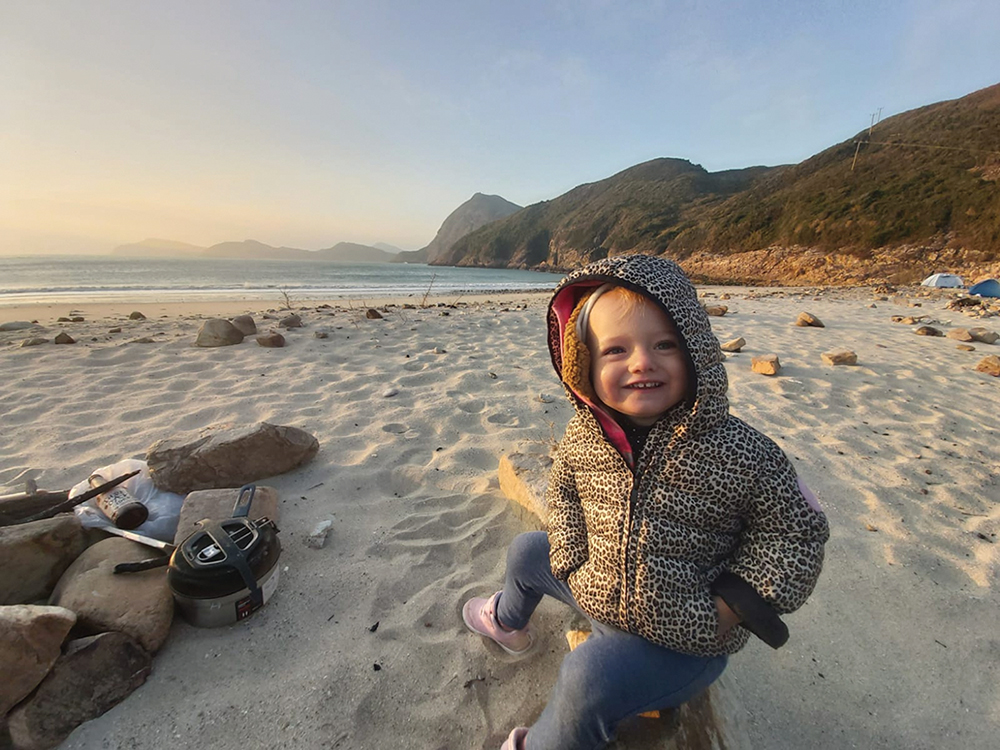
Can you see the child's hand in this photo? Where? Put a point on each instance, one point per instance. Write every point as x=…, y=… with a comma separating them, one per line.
x=727, y=618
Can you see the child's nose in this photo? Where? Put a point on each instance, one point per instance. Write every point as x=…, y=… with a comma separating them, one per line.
x=641, y=359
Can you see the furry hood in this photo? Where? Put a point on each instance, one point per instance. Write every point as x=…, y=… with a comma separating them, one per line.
x=663, y=282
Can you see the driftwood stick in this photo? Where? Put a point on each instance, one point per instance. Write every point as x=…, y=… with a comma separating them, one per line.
x=14, y=509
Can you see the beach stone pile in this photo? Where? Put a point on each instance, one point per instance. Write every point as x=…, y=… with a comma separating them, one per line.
x=75, y=638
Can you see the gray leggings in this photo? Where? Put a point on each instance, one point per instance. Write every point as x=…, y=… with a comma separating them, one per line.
x=612, y=676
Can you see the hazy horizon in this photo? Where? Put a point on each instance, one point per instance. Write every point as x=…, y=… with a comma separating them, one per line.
x=310, y=124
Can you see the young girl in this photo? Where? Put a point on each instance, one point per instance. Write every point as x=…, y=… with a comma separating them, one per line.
x=674, y=527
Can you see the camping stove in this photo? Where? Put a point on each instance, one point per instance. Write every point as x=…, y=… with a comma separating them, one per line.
x=227, y=570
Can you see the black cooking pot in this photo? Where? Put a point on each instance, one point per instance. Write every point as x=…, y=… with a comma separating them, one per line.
x=228, y=569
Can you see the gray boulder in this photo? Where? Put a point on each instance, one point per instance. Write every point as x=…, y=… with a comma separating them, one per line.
x=217, y=505
x=245, y=324
x=16, y=325
x=31, y=640
x=137, y=604
x=218, y=332
x=93, y=676
x=226, y=456
x=34, y=555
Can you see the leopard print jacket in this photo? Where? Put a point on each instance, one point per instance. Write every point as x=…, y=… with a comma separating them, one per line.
x=640, y=538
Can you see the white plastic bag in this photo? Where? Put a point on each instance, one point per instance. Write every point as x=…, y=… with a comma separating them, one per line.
x=164, y=507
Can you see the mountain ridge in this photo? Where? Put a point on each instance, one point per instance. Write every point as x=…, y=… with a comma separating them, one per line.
x=921, y=188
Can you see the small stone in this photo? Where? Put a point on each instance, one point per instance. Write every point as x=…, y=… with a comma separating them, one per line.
x=114, y=330
x=372, y=314
x=390, y=392
x=291, y=321
x=317, y=537
x=64, y=338
x=546, y=398
x=716, y=311
x=840, y=357
x=928, y=331
x=439, y=350
x=965, y=347
x=321, y=335
x=34, y=341
x=245, y=324
x=990, y=365
x=734, y=345
x=983, y=335
x=136, y=315
x=960, y=334
x=76, y=319
x=142, y=340
x=766, y=365
x=808, y=320
x=218, y=332
x=724, y=296
x=273, y=340
x=63, y=319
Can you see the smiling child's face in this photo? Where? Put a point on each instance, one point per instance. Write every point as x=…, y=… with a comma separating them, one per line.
x=638, y=364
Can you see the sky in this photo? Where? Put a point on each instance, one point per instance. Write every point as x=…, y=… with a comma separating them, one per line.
x=305, y=124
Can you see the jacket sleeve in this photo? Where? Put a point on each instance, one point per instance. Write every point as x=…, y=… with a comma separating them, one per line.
x=780, y=552
x=567, y=527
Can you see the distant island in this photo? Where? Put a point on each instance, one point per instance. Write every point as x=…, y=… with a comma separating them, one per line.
x=254, y=250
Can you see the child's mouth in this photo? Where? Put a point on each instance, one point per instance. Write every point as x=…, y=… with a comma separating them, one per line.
x=643, y=386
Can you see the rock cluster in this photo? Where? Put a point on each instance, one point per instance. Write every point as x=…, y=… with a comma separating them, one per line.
x=75, y=637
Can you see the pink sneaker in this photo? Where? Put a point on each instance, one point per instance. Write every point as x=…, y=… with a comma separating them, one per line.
x=480, y=617
x=516, y=739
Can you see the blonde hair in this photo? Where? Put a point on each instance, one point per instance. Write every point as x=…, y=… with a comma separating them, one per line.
x=576, y=355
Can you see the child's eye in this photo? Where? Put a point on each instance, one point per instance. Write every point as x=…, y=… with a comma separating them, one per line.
x=667, y=345
x=612, y=350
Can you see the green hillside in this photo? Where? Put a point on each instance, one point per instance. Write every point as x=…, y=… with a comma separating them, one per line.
x=931, y=175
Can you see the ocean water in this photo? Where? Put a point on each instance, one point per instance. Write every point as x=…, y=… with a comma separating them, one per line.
x=109, y=279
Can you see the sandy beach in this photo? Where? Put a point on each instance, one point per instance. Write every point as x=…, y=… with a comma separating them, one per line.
x=898, y=647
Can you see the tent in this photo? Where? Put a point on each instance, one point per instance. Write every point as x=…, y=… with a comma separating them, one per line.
x=942, y=279
x=987, y=288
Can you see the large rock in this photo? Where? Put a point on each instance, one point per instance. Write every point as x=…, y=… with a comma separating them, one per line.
x=16, y=325
x=225, y=456
x=137, y=604
x=524, y=478
x=218, y=332
x=93, y=676
x=31, y=640
x=246, y=325
x=217, y=505
x=34, y=555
